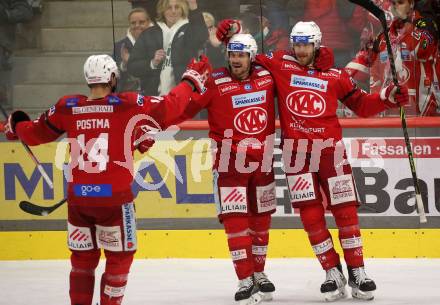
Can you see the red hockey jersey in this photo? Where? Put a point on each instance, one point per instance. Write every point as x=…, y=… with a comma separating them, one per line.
x=414, y=49
x=100, y=135
x=244, y=107
x=308, y=98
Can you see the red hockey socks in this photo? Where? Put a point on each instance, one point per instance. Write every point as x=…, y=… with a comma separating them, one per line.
x=313, y=219
x=349, y=234
x=82, y=276
x=259, y=225
x=240, y=245
x=114, y=279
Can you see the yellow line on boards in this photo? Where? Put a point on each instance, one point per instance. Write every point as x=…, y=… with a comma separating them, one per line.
x=378, y=243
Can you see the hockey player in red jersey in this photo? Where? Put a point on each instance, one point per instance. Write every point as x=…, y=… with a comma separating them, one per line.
x=241, y=116
x=414, y=42
x=99, y=130
x=313, y=154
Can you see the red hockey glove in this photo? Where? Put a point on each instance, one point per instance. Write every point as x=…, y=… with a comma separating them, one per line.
x=13, y=119
x=324, y=59
x=198, y=72
x=394, y=96
x=143, y=138
x=226, y=28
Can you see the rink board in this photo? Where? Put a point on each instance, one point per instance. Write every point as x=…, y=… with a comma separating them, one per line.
x=378, y=243
x=175, y=180
x=23, y=236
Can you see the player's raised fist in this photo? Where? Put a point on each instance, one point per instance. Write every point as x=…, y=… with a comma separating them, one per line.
x=226, y=28
x=395, y=96
x=13, y=119
x=198, y=72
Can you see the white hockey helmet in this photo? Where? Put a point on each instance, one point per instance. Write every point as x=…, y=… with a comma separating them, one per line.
x=306, y=32
x=243, y=43
x=98, y=69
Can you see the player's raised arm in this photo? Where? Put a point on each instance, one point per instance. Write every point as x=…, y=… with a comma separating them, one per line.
x=169, y=109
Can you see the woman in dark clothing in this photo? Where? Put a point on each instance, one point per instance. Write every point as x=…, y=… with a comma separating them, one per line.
x=162, y=52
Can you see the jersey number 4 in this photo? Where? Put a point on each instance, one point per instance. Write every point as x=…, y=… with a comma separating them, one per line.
x=93, y=156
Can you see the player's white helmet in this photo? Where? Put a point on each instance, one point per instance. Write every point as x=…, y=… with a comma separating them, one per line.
x=98, y=69
x=306, y=32
x=243, y=43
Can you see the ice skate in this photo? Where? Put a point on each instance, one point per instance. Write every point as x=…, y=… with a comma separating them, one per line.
x=265, y=286
x=248, y=293
x=334, y=286
x=362, y=287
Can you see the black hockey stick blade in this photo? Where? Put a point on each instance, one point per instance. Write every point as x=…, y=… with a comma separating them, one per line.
x=373, y=9
x=39, y=210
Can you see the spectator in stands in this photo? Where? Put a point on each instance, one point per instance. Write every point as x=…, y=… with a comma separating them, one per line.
x=270, y=37
x=139, y=21
x=148, y=5
x=414, y=42
x=341, y=23
x=162, y=52
x=11, y=13
x=213, y=47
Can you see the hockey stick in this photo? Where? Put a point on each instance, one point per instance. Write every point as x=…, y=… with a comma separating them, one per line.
x=39, y=210
x=31, y=154
x=380, y=14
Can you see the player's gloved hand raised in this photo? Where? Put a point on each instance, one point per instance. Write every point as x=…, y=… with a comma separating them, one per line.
x=226, y=28
x=143, y=139
x=198, y=72
x=324, y=59
x=13, y=119
x=394, y=96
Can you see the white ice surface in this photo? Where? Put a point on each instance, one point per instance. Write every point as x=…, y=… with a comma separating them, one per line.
x=213, y=282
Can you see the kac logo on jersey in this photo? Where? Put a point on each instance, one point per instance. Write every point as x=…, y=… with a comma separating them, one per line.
x=248, y=87
x=249, y=99
x=92, y=190
x=308, y=83
x=311, y=72
x=306, y=103
x=251, y=120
